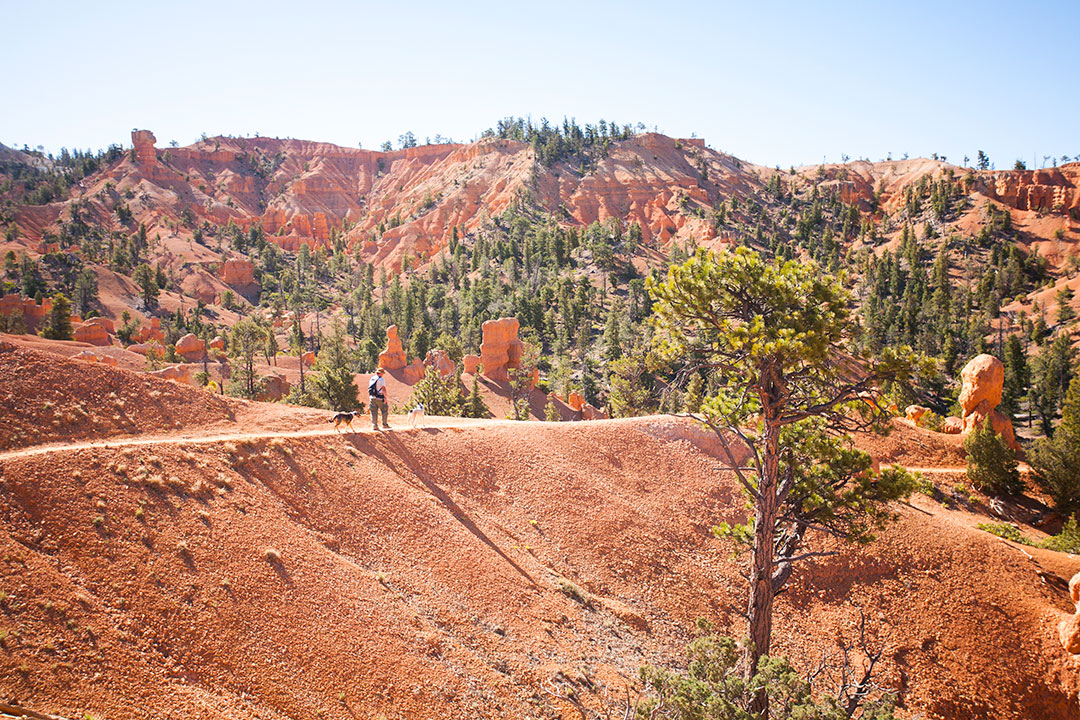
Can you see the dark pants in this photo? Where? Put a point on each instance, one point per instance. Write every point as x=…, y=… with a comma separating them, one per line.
x=378, y=404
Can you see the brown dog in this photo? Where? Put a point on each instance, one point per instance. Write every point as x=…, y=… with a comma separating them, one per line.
x=343, y=418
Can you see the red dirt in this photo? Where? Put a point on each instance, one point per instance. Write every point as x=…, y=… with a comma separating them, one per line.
x=417, y=573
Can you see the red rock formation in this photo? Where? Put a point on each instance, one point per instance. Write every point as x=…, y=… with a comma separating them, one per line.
x=92, y=333
x=470, y=363
x=439, y=360
x=106, y=323
x=144, y=140
x=414, y=373
x=33, y=314
x=91, y=356
x=153, y=331
x=1047, y=190
x=576, y=401
x=915, y=412
x=500, y=348
x=591, y=412
x=238, y=272
x=150, y=348
x=190, y=347
x=393, y=357
x=218, y=347
x=274, y=387
x=984, y=378
x=308, y=358
x=177, y=373
x=952, y=426
x=1069, y=628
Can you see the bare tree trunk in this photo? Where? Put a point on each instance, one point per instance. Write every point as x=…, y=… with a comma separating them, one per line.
x=760, y=609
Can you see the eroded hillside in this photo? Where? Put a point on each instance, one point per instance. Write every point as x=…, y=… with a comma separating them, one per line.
x=467, y=569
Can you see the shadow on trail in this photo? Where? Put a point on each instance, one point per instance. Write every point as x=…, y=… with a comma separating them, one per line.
x=366, y=444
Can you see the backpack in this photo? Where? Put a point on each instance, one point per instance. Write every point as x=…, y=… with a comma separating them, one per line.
x=371, y=389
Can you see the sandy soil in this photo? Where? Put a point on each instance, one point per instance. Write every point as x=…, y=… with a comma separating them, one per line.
x=255, y=563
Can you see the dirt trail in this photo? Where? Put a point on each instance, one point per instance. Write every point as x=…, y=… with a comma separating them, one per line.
x=192, y=436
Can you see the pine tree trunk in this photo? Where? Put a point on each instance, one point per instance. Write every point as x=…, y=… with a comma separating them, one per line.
x=760, y=609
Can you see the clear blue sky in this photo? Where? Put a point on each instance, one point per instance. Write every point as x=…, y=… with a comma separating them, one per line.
x=772, y=82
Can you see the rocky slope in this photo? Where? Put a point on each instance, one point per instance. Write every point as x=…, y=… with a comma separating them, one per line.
x=472, y=569
x=407, y=204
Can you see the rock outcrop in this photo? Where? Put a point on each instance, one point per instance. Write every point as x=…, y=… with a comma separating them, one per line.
x=153, y=331
x=414, y=373
x=500, y=349
x=1048, y=190
x=915, y=412
x=218, y=346
x=439, y=361
x=1069, y=628
x=91, y=333
x=148, y=349
x=984, y=379
x=238, y=272
x=178, y=373
x=470, y=363
x=952, y=426
x=33, y=314
x=591, y=412
x=308, y=358
x=145, y=153
x=190, y=347
x=274, y=387
x=91, y=356
x=393, y=357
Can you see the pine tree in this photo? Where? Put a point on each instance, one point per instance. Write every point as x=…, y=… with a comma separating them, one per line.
x=86, y=291
x=474, y=406
x=1053, y=371
x=776, y=329
x=439, y=395
x=270, y=349
x=991, y=464
x=551, y=412
x=59, y=326
x=245, y=340
x=1016, y=375
x=1065, y=311
x=1056, y=461
x=333, y=379
x=144, y=277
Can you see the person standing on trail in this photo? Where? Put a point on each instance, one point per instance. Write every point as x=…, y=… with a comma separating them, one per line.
x=376, y=391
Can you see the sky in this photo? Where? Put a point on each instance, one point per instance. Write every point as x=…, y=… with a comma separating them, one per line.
x=775, y=83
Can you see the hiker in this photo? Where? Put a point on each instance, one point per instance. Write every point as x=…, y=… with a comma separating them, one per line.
x=376, y=391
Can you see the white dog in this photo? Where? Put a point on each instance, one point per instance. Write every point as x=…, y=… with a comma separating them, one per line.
x=416, y=415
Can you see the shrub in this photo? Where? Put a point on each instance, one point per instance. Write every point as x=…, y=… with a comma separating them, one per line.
x=305, y=397
x=1005, y=530
x=932, y=421
x=1066, y=541
x=440, y=396
x=713, y=688
x=991, y=464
